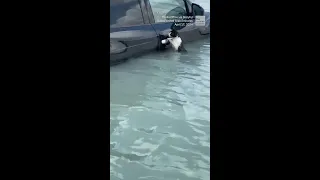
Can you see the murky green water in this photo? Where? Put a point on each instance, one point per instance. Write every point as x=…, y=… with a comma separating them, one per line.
x=160, y=115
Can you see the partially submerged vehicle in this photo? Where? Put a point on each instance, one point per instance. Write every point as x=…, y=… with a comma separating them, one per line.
x=139, y=26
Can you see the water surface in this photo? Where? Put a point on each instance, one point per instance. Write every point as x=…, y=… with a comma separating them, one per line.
x=160, y=115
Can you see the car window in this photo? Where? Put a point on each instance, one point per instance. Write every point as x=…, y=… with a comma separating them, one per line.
x=125, y=13
x=161, y=8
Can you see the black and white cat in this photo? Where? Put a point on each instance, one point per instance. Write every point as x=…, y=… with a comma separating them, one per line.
x=174, y=39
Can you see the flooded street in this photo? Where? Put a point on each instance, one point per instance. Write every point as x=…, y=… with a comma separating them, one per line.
x=160, y=115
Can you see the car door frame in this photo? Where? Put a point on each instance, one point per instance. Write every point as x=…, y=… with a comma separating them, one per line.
x=139, y=47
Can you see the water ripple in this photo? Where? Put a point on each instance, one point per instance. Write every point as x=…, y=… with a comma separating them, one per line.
x=160, y=116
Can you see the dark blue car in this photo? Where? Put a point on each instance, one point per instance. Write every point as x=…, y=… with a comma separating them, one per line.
x=138, y=26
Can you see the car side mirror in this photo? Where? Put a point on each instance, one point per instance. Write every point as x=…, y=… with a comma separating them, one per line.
x=176, y=12
x=197, y=10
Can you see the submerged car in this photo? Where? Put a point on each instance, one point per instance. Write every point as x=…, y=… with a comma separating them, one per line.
x=139, y=26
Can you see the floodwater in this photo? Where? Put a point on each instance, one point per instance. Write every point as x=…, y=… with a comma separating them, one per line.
x=160, y=115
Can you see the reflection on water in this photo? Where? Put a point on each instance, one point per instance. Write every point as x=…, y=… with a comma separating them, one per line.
x=160, y=120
